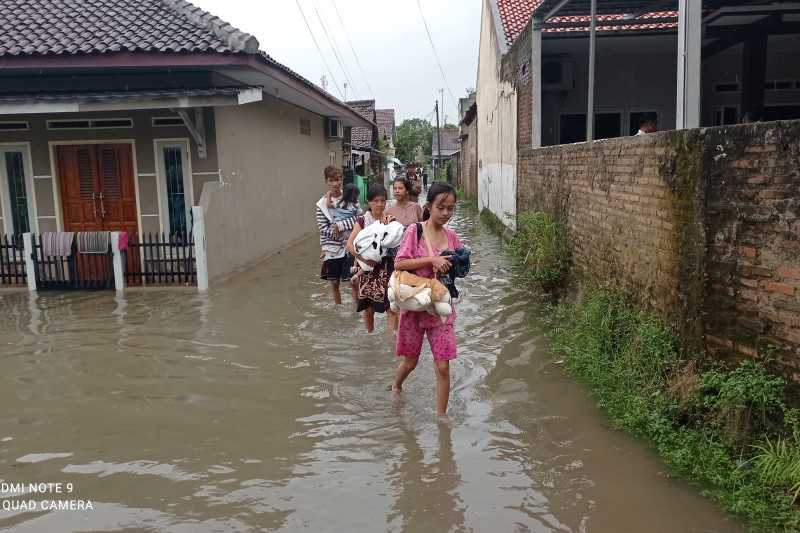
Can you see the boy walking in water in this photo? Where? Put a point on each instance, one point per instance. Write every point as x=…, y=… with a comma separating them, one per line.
x=334, y=267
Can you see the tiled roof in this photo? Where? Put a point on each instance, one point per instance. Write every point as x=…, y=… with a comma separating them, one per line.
x=515, y=14
x=60, y=27
x=450, y=141
x=362, y=137
x=386, y=124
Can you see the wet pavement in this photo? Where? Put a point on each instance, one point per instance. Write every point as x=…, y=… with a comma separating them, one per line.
x=261, y=407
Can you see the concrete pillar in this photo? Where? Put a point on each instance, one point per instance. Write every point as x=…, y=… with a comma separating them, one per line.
x=119, y=273
x=690, y=47
x=592, y=46
x=536, y=84
x=30, y=267
x=199, y=232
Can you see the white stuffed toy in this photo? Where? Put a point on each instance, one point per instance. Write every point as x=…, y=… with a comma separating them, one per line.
x=373, y=242
x=410, y=292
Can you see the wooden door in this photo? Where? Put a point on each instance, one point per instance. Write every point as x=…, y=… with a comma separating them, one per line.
x=97, y=194
x=97, y=187
x=80, y=185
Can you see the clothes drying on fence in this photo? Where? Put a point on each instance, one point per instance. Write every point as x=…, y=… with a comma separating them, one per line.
x=57, y=243
x=93, y=242
x=123, y=241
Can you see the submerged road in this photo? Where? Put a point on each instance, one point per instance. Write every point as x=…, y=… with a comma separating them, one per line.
x=261, y=407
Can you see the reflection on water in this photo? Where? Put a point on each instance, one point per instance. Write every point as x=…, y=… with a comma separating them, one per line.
x=260, y=406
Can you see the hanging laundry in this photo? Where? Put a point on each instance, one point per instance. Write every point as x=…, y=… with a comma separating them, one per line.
x=93, y=242
x=57, y=243
x=123, y=241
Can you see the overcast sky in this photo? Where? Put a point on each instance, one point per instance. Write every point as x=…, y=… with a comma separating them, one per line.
x=388, y=37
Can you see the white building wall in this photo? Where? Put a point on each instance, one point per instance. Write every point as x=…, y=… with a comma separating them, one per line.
x=497, y=126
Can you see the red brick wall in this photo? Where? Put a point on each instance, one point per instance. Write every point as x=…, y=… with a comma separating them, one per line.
x=701, y=225
x=516, y=66
x=753, y=227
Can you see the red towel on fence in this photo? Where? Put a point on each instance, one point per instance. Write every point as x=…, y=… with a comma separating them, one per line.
x=123, y=241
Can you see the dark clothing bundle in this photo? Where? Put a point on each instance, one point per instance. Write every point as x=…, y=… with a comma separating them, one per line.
x=459, y=261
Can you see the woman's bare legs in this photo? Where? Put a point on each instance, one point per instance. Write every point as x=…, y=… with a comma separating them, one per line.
x=369, y=319
x=442, y=386
x=403, y=370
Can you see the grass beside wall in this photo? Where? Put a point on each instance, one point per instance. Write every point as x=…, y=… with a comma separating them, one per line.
x=727, y=429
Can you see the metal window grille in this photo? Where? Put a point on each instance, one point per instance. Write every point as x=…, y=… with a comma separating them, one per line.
x=176, y=199
x=15, y=171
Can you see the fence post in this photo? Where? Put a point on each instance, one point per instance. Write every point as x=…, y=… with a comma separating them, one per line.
x=119, y=277
x=199, y=231
x=30, y=268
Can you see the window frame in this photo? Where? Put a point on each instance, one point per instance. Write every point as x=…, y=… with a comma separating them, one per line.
x=161, y=181
x=91, y=122
x=30, y=191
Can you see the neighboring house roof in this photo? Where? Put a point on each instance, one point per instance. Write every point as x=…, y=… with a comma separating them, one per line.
x=363, y=137
x=386, y=123
x=450, y=141
x=53, y=27
x=515, y=14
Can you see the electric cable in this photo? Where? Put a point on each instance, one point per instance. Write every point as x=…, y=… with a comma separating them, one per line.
x=319, y=50
x=352, y=49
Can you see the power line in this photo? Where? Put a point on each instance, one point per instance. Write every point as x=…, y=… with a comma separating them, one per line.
x=335, y=49
x=436, y=55
x=352, y=49
x=319, y=50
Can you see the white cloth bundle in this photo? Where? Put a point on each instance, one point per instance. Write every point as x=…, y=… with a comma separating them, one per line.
x=373, y=242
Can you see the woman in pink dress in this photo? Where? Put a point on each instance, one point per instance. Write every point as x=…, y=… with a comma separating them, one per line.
x=423, y=259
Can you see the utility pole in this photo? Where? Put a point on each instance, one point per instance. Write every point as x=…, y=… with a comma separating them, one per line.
x=324, y=83
x=345, y=91
x=438, y=139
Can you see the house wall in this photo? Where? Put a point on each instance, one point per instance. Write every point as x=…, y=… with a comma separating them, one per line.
x=273, y=178
x=142, y=134
x=497, y=122
x=469, y=160
x=702, y=226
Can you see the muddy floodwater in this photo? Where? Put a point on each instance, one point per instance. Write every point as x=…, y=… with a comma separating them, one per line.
x=261, y=407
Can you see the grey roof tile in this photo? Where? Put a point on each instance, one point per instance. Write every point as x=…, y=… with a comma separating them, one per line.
x=363, y=137
x=54, y=27
x=450, y=141
x=386, y=123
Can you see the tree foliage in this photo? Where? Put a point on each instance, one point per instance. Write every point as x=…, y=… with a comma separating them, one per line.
x=411, y=133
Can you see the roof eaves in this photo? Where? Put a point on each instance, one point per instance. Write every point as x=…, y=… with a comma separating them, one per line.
x=238, y=40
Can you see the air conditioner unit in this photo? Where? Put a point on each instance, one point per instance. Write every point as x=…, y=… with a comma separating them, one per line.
x=558, y=74
x=334, y=128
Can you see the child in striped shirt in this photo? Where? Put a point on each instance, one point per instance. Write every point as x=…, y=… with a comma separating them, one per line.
x=332, y=228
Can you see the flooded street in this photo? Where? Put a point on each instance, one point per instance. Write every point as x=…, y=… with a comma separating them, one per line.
x=260, y=407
